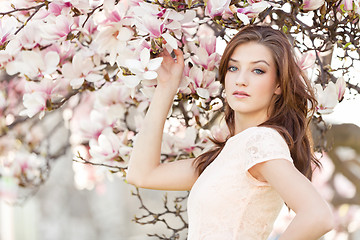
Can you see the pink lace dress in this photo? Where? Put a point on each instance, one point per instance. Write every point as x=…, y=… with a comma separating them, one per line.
x=226, y=202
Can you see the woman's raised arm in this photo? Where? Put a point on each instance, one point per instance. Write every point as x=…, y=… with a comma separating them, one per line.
x=145, y=169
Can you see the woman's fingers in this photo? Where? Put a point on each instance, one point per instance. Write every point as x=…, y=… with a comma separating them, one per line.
x=179, y=56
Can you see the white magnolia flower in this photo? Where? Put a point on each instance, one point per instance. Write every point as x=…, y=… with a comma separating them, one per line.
x=112, y=39
x=34, y=64
x=145, y=69
x=82, y=68
x=327, y=98
x=7, y=28
x=106, y=147
x=34, y=102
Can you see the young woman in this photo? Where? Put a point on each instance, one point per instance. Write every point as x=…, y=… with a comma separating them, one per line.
x=239, y=187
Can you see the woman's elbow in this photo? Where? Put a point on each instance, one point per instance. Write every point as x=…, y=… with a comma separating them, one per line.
x=326, y=219
x=131, y=179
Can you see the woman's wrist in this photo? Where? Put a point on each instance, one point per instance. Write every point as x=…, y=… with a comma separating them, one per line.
x=167, y=88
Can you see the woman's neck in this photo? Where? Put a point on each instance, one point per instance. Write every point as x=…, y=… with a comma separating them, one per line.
x=243, y=122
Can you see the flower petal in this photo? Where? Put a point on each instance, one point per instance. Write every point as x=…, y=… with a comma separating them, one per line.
x=203, y=93
x=145, y=57
x=150, y=75
x=131, y=81
x=170, y=40
x=155, y=63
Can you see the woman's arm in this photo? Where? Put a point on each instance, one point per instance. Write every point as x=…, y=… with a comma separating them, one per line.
x=144, y=169
x=313, y=215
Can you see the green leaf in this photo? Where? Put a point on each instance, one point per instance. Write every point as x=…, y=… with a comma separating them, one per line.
x=346, y=45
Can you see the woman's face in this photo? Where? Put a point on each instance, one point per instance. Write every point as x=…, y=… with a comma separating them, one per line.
x=250, y=81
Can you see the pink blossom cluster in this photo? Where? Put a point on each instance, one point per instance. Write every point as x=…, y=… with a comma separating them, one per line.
x=96, y=62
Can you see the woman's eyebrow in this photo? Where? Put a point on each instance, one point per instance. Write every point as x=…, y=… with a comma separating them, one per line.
x=258, y=61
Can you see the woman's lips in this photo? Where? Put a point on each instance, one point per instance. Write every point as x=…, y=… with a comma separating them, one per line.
x=241, y=94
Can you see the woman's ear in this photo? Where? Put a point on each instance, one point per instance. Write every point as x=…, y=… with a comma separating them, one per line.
x=277, y=90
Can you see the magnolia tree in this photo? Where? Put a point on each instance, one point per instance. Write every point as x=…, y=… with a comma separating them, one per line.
x=79, y=76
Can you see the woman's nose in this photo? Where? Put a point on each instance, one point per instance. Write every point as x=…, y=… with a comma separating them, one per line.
x=241, y=79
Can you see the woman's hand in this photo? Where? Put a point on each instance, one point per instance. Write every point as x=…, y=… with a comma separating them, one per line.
x=171, y=70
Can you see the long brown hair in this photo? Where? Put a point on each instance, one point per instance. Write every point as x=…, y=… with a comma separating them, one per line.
x=292, y=109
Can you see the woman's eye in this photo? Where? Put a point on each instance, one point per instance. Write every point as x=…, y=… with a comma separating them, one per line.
x=232, y=68
x=259, y=71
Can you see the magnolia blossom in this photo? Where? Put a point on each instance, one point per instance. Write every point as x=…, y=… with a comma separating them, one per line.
x=56, y=7
x=34, y=64
x=34, y=102
x=92, y=126
x=106, y=147
x=7, y=28
x=114, y=13
x=111, y=100
x=348, y=4
x=28, y=39
x=252, y=10
x=206, y=55
x=82, y=68
x=306, y=60
x=156, y=29
x=310, y=5
x=57, y=28
x=217, y=8
x=327, y=98
x=159, y=23
x=143, y=69
x=181, y=23
x=203, y=82
x=112, y=39
x=340, y=88
x=37, y=95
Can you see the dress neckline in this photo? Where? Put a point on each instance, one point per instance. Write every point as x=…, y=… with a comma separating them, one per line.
x=243, y=132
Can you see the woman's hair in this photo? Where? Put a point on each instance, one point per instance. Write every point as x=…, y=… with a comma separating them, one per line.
x=292, y=109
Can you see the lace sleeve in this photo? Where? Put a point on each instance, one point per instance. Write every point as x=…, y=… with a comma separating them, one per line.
x=265, y=144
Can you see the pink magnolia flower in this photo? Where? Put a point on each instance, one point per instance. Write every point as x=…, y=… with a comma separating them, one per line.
x=327, y=98
x=112, y=39
x=340, y=88
x=34, y=64
x=91, y=128
x=203, y=82
x=306, y=60
x=155, y=27
x=37, y=95
x=34, y=103
x=28, y=39
x=145, y=69
x=57, y=28
x=348, y=4
x=112, y=101
x=8, y=54
x=188, y=142
x=114, y=13
x=252, y=10
x=65, y=50
x=310, y=5
x=7, y=29
x=56, y=7
x=82, y=68
x=254, y=1
x=205, y=55
x=106, y=147
x=216, y=8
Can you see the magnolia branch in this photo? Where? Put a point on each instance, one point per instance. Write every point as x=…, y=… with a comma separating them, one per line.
x=25, y=9
x=160, y=217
